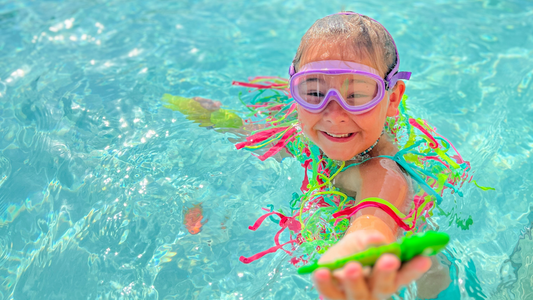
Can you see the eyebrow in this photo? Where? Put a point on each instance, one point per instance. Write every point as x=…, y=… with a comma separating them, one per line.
x=358, y=80
x=313, y=79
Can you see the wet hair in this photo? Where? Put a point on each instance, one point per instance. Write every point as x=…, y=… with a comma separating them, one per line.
x=365, y=37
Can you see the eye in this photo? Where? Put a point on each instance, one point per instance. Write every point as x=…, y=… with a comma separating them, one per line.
x=358, y=99
x=315, y=94
x=358, y=96
x=314, y=97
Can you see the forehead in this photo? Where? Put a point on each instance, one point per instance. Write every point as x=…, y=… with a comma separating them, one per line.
x=323, y=49
x=319, y=50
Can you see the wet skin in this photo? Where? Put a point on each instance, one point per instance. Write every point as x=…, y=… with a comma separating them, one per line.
x=382, y=180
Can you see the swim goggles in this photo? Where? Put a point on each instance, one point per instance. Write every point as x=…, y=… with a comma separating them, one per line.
x=357, y=88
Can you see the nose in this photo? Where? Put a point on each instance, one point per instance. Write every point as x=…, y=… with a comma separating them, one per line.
x=334, y=113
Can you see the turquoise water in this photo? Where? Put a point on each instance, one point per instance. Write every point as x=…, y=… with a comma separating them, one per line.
x=95, y=174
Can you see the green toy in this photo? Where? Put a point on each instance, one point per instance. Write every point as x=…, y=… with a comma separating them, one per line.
x=427, y=243
x=220, y=118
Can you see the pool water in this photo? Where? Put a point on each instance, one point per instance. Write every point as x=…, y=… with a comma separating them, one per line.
x=96, y=175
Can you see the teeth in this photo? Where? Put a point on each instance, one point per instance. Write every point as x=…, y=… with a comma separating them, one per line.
x=338, y=135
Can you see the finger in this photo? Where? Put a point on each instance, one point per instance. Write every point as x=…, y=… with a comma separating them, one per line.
x=412, y=270
x=353, y=281
x=326, y=285
x=382, y=281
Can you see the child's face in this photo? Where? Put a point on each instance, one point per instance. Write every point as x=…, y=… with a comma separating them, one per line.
x=363, y=129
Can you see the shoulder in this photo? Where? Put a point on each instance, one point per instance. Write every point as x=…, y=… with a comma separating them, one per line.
x=380, y=168
x=374, y=174
x=383, y=178
x=383, y=167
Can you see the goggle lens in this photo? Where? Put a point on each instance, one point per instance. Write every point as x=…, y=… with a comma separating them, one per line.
x=355, y=89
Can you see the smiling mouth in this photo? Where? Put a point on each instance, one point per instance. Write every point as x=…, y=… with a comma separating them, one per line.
x=345, y=135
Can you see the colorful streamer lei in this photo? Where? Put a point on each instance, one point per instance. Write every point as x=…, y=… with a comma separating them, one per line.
x=320, y=214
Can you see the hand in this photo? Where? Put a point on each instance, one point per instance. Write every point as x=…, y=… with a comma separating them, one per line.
x=353, y=282
x=208, y=103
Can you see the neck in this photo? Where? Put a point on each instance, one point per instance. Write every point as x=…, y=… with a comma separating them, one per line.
x=363, y=155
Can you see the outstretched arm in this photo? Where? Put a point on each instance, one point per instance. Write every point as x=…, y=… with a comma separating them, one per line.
x=380, y=178
x=376, y=178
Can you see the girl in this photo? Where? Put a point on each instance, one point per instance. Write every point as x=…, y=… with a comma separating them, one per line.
x=345, y=82
x=344, y=78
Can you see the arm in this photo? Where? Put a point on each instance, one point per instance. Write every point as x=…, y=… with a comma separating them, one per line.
x=376, y=178
x=380, y=178
x=385, y=180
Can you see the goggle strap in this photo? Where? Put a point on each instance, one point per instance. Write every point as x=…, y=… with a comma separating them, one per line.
x=291, y=70
x=396, y=77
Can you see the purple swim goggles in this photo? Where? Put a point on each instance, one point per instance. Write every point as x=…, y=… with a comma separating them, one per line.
x=357, y=88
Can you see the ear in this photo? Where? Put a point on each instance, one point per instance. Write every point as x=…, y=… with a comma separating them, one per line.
x=395, y=98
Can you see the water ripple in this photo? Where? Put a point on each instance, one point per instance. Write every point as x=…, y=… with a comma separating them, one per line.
x=95, y=174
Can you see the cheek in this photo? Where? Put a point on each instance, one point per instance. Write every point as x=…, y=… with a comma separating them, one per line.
x=371, y=120
x=305, y=118
x=308, y=121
